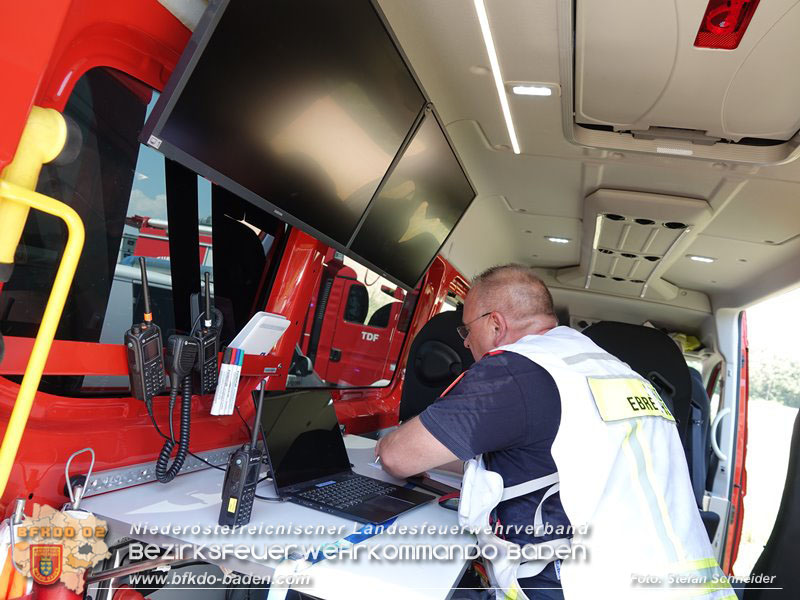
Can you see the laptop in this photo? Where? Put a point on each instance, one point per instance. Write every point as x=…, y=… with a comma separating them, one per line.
x=310, y=466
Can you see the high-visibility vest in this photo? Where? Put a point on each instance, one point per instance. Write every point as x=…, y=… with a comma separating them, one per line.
x=623, y=483
x=481, y=491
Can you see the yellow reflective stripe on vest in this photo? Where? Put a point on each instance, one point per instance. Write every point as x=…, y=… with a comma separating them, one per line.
x=627, y=398
x=702, y=576
x=651, y=479
x=638, y=454
x=705, y=579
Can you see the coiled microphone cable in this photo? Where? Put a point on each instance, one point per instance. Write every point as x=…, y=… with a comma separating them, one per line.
x=182, y=352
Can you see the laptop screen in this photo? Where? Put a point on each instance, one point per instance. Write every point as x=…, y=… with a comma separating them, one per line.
x=303, y=437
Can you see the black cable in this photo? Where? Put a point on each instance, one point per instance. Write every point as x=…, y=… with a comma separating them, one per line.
x=153, y=420
x=196, y=321
x=269, y=498
x=276, y=499
x=200, y=458
x=249, y=431
x=377, y=276
x=173, y=396
x=165, y=473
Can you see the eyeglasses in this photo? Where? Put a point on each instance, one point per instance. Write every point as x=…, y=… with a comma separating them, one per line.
x=463, y=330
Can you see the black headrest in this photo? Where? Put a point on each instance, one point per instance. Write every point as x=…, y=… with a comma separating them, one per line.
x=357, y=307
x=436, y=363
x=653, y=355
x=437, y=356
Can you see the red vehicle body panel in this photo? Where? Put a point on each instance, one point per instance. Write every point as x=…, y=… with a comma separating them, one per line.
x=348, y=352
x=740, y=471
x=48, y=45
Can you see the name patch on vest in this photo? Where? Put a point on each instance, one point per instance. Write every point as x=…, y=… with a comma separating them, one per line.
x=619, y=399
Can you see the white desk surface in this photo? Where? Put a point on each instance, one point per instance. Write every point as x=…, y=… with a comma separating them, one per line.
x=195, y=498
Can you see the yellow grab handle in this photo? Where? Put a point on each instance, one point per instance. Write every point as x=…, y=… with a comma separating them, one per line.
x=50, y=319
x=42, y=140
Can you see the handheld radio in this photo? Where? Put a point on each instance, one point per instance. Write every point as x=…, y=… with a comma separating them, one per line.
x=207, y=366
x=144, y=350
x=241, y=477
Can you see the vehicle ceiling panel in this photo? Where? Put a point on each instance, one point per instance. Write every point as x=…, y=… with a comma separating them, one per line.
x=536, y=184
x=763, y=202
x=674, y=180
x=546, y=186
x=739, y=268
x=637, y=67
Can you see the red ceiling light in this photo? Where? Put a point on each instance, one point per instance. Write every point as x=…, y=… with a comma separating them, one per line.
x=724, y=23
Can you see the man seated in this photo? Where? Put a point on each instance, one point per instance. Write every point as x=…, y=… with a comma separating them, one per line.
x=581, y=443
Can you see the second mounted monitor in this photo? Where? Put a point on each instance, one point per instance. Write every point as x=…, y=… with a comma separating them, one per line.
x=418, y=206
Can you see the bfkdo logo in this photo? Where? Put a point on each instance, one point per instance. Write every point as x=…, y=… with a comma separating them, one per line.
x=52, y=546
x=46, y=561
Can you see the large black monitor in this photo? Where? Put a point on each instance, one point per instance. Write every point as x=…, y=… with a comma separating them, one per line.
x=300, y=107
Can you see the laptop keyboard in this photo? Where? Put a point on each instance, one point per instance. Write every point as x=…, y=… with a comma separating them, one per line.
x=347, y=493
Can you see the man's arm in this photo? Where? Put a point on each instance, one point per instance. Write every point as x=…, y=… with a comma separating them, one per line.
x=457, y=467
x=411, y=449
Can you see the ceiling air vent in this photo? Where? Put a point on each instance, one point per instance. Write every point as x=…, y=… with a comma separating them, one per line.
x=630, y=237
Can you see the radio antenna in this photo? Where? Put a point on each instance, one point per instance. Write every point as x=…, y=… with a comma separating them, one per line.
x=148, y=316
x=207, y=321
x=257, y=422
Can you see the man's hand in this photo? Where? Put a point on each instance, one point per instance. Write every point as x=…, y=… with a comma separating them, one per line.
x=411, y=449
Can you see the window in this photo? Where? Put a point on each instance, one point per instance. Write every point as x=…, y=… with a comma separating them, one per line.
x=371, y=303
x=119, y=189
x=245, y=244
x=354, y=330
x=694, y=363
x=451, y=303
x=716, y=394
x=109, y=109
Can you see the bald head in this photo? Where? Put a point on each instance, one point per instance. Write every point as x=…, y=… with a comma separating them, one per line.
x=516, y=291
x=504, y=304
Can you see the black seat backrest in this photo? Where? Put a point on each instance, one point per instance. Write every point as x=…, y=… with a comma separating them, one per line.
x=697, y=440
x=779, y=557
x=653, y=355
x=697, y=446
x=437, y=356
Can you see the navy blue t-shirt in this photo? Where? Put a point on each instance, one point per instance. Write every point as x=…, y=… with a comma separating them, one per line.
x=507, y=408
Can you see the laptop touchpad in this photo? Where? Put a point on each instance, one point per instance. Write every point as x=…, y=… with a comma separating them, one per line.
x=388, y=503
